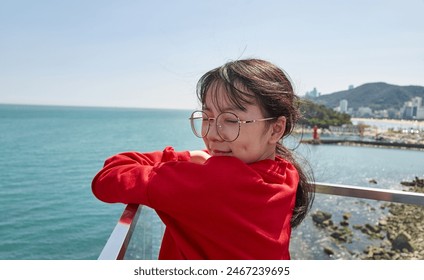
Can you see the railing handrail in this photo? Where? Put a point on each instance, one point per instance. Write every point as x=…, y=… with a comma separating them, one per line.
x=116, y=245
x=118, y=241
x=371, y=193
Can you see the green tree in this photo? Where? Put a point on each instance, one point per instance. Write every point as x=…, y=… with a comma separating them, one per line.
x=321, y=116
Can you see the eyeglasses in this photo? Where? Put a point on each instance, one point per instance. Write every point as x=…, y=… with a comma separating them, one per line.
x=227, y=124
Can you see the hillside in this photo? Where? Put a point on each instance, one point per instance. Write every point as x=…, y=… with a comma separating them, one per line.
x=377, y=96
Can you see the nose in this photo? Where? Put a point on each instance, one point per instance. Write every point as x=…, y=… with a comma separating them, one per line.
x=213, y=132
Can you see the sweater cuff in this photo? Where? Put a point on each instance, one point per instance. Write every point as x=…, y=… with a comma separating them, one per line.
x=169, y=154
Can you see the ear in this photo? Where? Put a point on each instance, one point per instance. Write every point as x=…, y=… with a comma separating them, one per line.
x=277, y=130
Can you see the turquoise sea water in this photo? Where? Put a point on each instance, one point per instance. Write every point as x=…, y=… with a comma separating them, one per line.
x=49, y=156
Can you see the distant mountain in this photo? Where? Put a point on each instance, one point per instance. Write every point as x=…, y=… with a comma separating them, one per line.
x=377, y=96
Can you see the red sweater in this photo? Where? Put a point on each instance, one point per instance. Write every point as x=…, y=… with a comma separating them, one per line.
x=222, y=209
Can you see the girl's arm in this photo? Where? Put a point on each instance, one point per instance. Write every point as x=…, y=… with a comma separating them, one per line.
x=124, y=177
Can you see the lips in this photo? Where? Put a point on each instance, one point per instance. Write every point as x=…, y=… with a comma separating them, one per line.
x=220, y=153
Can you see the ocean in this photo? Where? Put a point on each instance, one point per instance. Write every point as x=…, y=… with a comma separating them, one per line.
x=49, y=155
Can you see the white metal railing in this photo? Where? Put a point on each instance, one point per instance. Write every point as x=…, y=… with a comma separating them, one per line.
x=117, y=244
x=371, y=193
x=118, y=241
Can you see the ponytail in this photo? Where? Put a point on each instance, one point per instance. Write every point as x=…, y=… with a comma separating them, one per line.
x=305, y=189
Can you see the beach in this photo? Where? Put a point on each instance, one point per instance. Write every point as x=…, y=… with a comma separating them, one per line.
x=401, y=131
x=381, y=130
x=386, y=124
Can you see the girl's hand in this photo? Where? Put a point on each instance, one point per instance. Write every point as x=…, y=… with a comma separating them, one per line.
x=199, y=156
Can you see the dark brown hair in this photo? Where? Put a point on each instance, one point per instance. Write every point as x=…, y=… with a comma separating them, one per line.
x=253, y=80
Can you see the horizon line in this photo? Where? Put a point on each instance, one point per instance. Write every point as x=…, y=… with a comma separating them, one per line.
x=93, y=106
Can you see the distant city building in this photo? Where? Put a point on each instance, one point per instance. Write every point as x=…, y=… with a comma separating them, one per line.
x=381, y=114
x=365, y=112
x=312, y=94
x=351, y=87
x=413, y=109
x=343, y=106
x=393, y=113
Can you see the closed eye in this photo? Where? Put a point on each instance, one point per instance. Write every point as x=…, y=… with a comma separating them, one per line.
x=231, y=121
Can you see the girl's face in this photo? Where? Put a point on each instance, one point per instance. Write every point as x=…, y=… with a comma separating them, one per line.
x=256, y=140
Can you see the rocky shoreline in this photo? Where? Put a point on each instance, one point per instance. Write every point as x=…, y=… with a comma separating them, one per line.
x=399, y=235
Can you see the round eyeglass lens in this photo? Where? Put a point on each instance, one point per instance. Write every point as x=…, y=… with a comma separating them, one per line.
x=199, y=123
x=228, y=126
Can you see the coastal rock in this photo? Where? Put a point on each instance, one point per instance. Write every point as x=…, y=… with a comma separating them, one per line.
x=399, y=235
x=373, y=231
x=382, y=222
x=342, y=234
x=344, y=223
x=322, y=218
x=402, y=243
x=328, y=251
x=373, y=228
x=339, y=234
x=378, y=253
x=346, y=216
x=415, y=183
x=404, y=229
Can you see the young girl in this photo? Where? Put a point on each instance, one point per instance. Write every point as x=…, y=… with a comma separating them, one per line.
x=241, y=196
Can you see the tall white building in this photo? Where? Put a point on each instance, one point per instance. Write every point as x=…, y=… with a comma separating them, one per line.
x=413, y=109
x=343, y=106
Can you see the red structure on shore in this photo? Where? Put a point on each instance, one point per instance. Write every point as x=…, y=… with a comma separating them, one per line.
x=315, y=135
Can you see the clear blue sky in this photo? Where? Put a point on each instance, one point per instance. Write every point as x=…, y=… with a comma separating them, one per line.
x=133, y=53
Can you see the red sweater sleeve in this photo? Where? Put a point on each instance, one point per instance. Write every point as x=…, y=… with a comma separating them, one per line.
x=124, y=177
